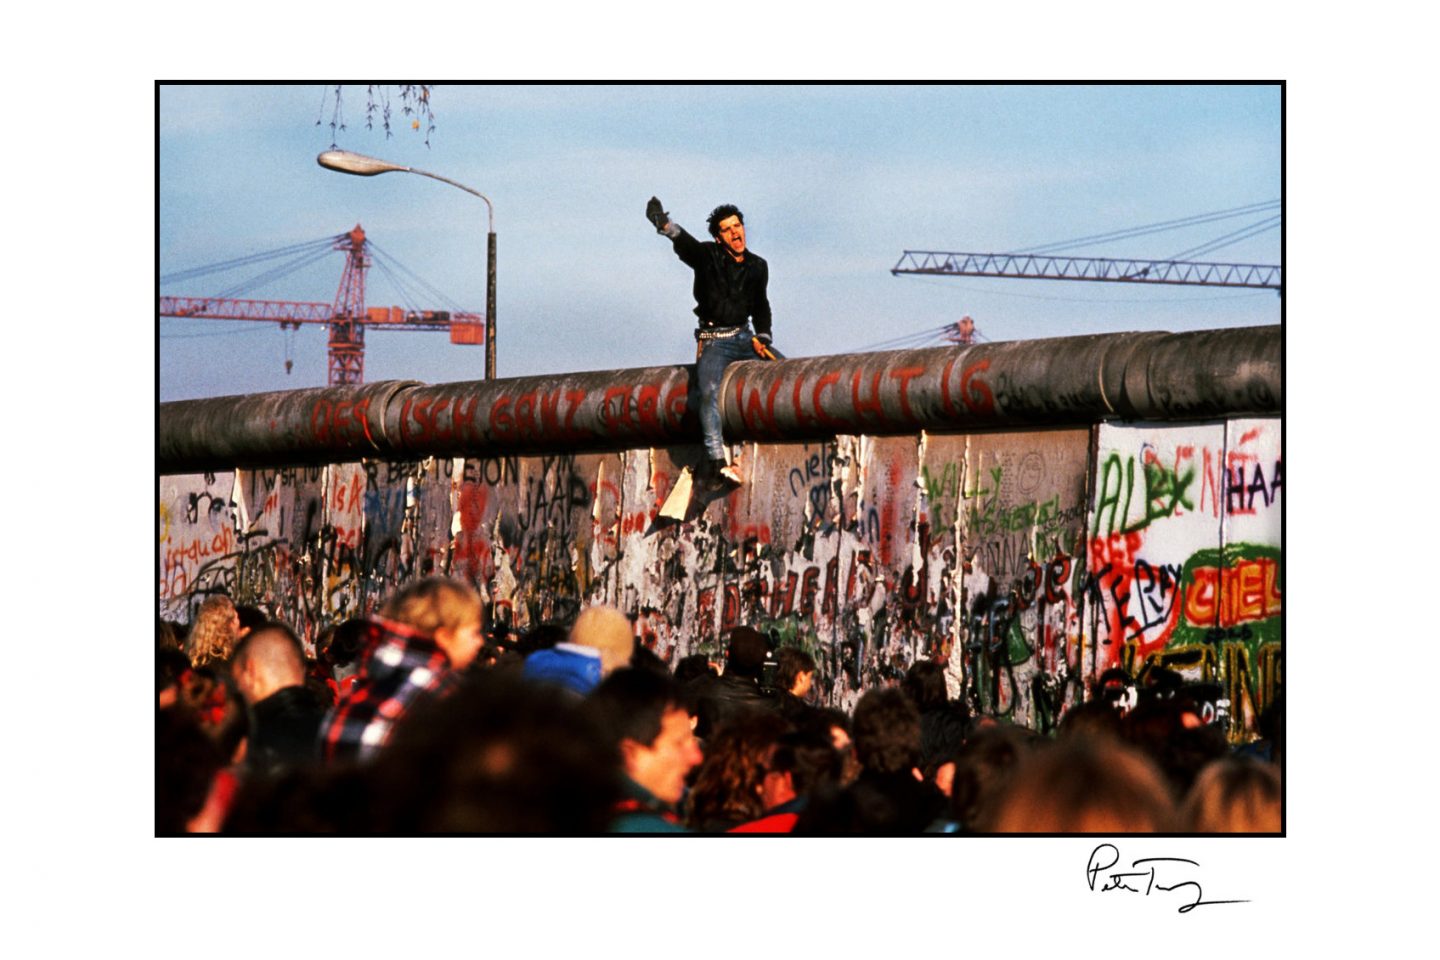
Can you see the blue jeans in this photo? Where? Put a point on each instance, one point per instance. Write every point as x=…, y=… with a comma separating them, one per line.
x=715, y=356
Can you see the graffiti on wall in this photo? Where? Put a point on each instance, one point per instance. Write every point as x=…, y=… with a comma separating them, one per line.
x=1185, y=559
x=1027, y=562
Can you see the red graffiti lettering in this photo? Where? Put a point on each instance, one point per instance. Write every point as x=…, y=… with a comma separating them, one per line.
x=836, y=423
x=675, y=405
x=872, y=405
x=1247, y=592
x=462, y=418
x=810, y=585
x=525, y=415
x=575, y=398
x=975, y=391
x=905, y=375
x=945, y=403
x=783, y=600
x=502, y=424
x=730, y=616
x=647, y=406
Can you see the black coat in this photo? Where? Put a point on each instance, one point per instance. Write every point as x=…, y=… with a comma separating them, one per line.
x=722, y=699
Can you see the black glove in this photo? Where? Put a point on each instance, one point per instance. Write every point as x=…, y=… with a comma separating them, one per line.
x=655, y=215
x=763, y=338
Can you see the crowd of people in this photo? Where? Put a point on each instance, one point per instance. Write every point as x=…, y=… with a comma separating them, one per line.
x=410, y=722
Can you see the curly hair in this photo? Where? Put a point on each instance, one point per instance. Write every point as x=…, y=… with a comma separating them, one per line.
x=727, y=785
x=887, y=731
x=213, y=634
x=723, y=212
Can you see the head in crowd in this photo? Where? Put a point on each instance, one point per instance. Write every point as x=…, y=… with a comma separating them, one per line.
x=543, y=637
x=886, y=730
x=498, y=755
x=1082, y=786
x=983, y=767
x=728, y=785
x=610, y=632
x=942, y=735
x=1091, y=718
x=745, y=655
x=1234, y=795
x=641, y=715
x=250, y=618
x=646, y=659
x=268, y=659
x=803, y=761
x=209, y=695
x=449, y=611
x=1169, y=731
x=341, y=652
x=693, y=666
x=213, y=634
x=794, y=671
x=924, y=683
x=1116, y=688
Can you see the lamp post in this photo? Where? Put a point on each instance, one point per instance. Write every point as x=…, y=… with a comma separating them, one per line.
x=363, y=166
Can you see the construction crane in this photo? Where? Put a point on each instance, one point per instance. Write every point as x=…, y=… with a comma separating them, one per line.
x=347, y=317
x=1046, y=267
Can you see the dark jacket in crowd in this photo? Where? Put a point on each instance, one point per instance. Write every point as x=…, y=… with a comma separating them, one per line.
x=721, y=699
x=283, y=729
x=885, y=803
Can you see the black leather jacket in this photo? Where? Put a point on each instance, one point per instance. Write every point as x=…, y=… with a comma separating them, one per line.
x=728, y=293
x=721, y=699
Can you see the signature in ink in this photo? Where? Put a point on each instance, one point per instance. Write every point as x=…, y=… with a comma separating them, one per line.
x=1106, y=856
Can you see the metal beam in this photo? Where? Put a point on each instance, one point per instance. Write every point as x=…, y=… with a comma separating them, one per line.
x=1044, y=267
x=1061, y=381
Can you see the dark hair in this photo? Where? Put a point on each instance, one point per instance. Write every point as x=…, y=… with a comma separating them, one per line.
x=887, y=732
x=630, y=704
x=808, y=757
x=790, y=662
x=251, y=618
x=1092, y=718
x=983, y=768
x=347, y=642
x=942, y=734
x=1158, y=728
x=543, y=637
x=695, y=665
x=723, y=212
x=745, y=656
x=727, y=784
x=643, y=658
x=498, y=755
x=924, y=683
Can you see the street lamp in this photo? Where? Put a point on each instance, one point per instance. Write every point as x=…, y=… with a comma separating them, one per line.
x=363, y=166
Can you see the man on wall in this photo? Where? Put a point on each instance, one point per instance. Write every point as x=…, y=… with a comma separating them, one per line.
x=730, y=291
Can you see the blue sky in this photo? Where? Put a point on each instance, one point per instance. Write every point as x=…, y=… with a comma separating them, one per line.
x=835, y=183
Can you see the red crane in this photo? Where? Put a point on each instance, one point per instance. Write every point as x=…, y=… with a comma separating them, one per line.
x=347, y=317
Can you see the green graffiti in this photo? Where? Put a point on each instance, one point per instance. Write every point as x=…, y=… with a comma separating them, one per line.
x=1163, y=492
x=1231, y=621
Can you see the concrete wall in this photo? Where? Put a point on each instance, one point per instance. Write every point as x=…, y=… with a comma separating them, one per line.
x=1033, y=558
